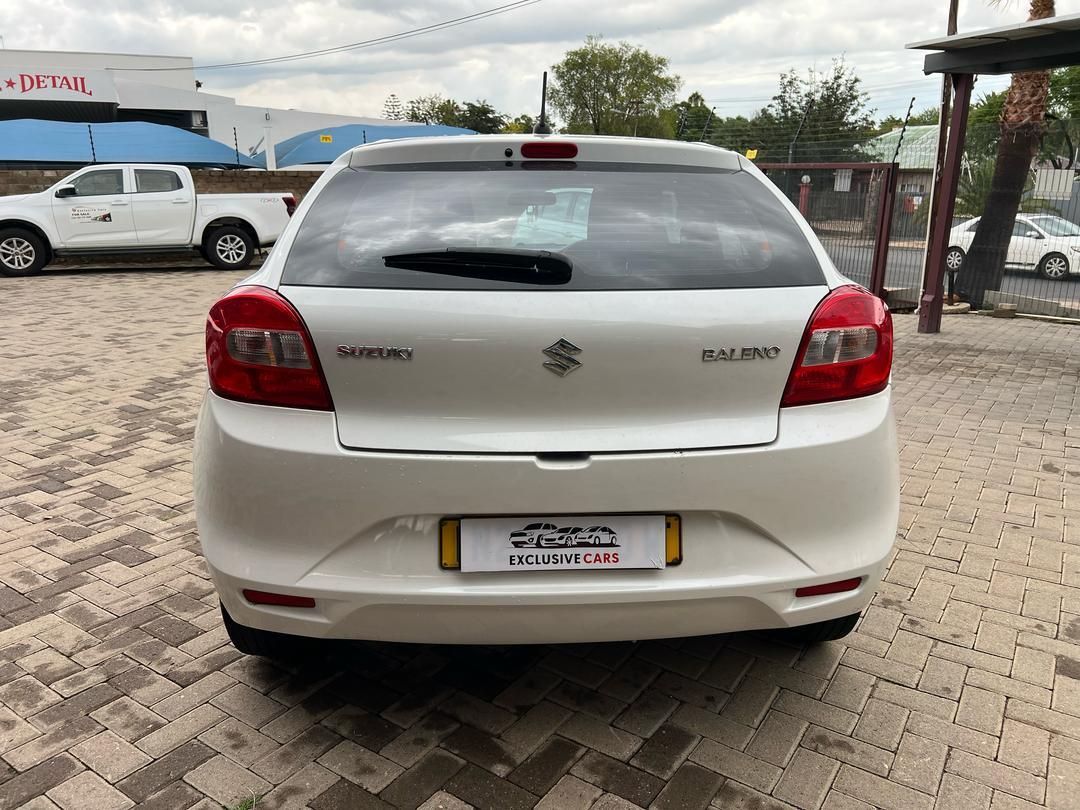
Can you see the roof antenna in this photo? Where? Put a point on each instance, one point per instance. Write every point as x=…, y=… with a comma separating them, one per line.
x=542, y=127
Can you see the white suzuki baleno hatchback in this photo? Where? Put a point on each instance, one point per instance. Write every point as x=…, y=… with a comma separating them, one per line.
x=545, y=389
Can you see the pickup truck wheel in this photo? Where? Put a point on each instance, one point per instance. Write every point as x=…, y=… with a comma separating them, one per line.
x=22, y=253
x=230, y=248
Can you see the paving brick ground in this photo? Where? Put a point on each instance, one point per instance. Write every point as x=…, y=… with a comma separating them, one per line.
x=960, y=689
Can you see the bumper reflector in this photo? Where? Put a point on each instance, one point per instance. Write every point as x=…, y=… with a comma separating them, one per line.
x=829, y=587
x=279, y=599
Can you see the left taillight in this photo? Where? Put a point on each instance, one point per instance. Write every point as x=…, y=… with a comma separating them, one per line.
x=258, y=350
x=290, y=203
x=846, y=351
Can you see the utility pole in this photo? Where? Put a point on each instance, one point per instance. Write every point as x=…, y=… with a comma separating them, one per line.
x=708, y=120
x=791, y=146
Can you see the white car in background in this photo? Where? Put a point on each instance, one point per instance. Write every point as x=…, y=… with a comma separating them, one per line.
x=404, y=395
x=131, y=208
x=1043, y=242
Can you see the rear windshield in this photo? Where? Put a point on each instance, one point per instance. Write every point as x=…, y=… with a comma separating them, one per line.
x=623, y=226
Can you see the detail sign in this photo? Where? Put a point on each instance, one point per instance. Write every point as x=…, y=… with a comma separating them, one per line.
x=44, y=84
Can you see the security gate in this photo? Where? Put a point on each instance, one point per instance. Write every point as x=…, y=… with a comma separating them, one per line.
x=850, y=207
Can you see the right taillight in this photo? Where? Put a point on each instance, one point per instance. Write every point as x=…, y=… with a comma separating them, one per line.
x=846, y=351
x=258, y=350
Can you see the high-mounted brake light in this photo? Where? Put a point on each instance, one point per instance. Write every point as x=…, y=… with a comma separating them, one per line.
x=549, y=150
x=258, y=350
x=846, y=351
x=290, y=204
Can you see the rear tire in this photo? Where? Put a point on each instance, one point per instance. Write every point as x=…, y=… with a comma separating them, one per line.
x=230, y=248
x=22, y=252
x=830, y=630
x=264, y=643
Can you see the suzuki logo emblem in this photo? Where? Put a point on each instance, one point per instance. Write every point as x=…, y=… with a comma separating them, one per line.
x=562, y=360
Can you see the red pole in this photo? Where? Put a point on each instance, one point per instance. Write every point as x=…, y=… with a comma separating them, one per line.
x=933, y=295
x=939, y=157
x=804, y=198
x=884, y=229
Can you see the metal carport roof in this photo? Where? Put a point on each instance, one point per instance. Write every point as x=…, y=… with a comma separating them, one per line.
x=53, y=142
x=1034, y=45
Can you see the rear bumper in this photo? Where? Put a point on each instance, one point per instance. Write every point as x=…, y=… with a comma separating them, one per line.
x=281, y=506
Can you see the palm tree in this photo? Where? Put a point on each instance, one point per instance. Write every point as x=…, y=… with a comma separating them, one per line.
x=976, y=183
x=1023, y=122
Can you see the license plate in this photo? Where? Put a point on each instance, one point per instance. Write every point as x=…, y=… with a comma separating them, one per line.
x=561, y=543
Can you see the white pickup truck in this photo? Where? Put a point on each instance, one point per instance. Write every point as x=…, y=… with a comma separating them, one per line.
x=136, y=208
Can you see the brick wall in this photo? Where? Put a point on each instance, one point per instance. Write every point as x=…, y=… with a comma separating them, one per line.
x=211, y=182
x=28, y=181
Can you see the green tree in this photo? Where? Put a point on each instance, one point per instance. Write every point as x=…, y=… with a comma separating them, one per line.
x=888, y=124
x=613, y=90
x=392, y=109
x=691, y=116
x=1062, y=137
x=924, y=118
x=737, y=132
x=1023, y=123
x=973, y=191
x=481, y=117
x=984, y=126
x=838, y=120
x=433, y=109
x=521, y=125
x=919, y=119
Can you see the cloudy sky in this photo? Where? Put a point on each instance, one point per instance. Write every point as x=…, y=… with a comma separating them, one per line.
x=731, y=51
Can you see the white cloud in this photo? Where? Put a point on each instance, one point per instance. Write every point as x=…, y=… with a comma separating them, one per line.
x=729, y=51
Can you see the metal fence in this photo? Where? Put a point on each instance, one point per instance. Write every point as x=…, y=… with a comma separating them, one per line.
x=842, y=202
x=849, y=206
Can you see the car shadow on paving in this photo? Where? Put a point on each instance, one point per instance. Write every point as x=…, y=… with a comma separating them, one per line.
x=118, y=688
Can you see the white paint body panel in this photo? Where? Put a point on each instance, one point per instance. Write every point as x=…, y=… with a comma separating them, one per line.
x=282, y=506
x=345, y=506
x=477, y=381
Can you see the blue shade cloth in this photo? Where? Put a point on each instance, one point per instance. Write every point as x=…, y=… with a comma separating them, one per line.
x=33, y=141
x=311, y=147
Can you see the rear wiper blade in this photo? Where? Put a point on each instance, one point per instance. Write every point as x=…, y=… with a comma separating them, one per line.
x=496, y=264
